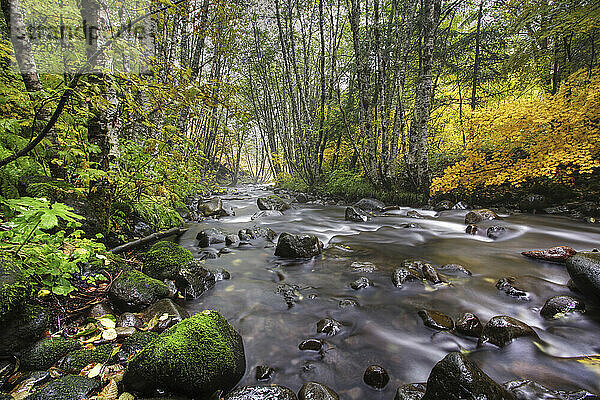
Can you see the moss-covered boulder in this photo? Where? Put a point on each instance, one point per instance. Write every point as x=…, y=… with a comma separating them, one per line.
x=14, y=289
x=134, y=291
x=69, y=387
x=23, y=328
x=135, y=343
x=76, y=360
x=164, y=259
x=43, y=354
x=196, y=357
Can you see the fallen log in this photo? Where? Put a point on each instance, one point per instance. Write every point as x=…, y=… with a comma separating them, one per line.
x=147, y=239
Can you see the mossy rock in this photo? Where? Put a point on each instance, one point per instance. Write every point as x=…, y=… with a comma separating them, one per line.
x=134, y=291
x=76, y=360
x=196, y=357
x=23, y=328
x=164, y=259
x=14, y=289
x=135, y=343
x=46, y=352
x=69, y=387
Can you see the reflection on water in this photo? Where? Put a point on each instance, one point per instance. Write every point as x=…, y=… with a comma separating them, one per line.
x=385, y=329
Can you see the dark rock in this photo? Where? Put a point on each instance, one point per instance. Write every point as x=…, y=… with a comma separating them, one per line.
x=46, y=352
x=495, y=232
x=558, y=306
x=264, y=373
x=271, y=392
x=272, y=203
x=507, y=286
x=211, y=207
x=76, y=360
x=469, y=325
x=133, y=291
x=501, y=330
x=28, y=381
x=210, y=236
x=411, y=391
x=476, y=216
x=311, y=345
x=363, y=267
x=355, y=215
x=376, y=376
x=231, y=239
x=100, y=310
x=172, y=288
x=159, y=309
x=164, y=259
x=266, y=214
x=436, y=320
x=455, y=268
x=298, y=246
x=443, y=205
x=69, y=387
x=348, y=303
x=302, y=198
x=127, y=320
x=289, y=292
x=584, y=269
x=193, y=279
x=195, y=357
x=361, y=283
x=329, y=326
x=135, y=343
x=430, y=273
x=472, y=230
x=456, y=378
x=402, y=275
x=257, y=232
x=414, y=214
x=370, y=205
x=316, y=391
x=142, y=229
x=124, y=332
x=556, y=254
x=221, y=274
x=21, y=329
x=208, y=254
x=529, y=390
x=533, y=203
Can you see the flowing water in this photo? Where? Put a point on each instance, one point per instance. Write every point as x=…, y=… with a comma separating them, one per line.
x=385, y=329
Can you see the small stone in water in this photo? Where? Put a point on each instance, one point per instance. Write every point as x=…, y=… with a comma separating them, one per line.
x=472, y=229
x=494, y=232
x=264, y=373
x=558, y=306
x=329, y=326
x=506, y=285
x=436, y=320
x=455, y=268
x=469, y=325
x=311, y=344
x=348, y=303
x=361, y=283
x=376, y=376
x=558, y=253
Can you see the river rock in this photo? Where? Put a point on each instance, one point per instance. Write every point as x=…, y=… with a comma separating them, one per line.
x=472, y=229
x=100, y=309
x=129, y=320
x=456, y=378
x=257, y=232
x=556, y=254
x=301, y=198
x=476, y=216
x=210, y=236
x=329, y=326
x=436, y=320
x=469, y=325
x=507, y=286
x=414, y=214
x=355, y=214
x=533, y=203
x=345, y=303
x=196, y=357
x=376, y=376
x=272, y=392
x=211, y=207
x=46, y=352
x=21, y=329
x=193, y=279
x=264, y=373
x=370, y=205
x=76, y=360
x=135, y=343
x=402, y=275
x=529, y=390
x=231, y=240
x=69, y=387
x=495, y=232
x=272, y=203
x=410, y=391
x=431, y=274
x=298, y=246
x=316, y=391
x=158, y=310
x=134, y=291
x=584, y=269
x=558, y=306
x=266, y=214
x=362, y=283
x=455, y=268
x=164, y=259
x=501, y=330
x=311, y=345
x=443, y=205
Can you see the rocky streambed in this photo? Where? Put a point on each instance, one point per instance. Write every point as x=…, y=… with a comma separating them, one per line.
x=326, y=301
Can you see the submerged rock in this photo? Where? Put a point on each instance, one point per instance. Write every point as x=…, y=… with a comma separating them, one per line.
x=507, y=286
x=476, y=216
x=210, y=236
x=264, y=373
x=584, y=269
x=414, y=214
x=496, y=232
x=133, y=291
x=431, y=274
x=69, y=387
x=376, y=376
x=298, y=246
x=556, y=254
x=410, y=391
x=529, y=390
x=272, y=392
x=195, y=357
x=290, y=293
x=272, y=203
x=316, y=391
x=501, y=330
x=329, y=326
x=469, y=325
x=46, y=352
x=436, y=320
x=311, y=345
x=402, y=275
x=456, y=378
x=266, y=214
x=164, y=259
x=344, y=303
x=455, y=268
x=257, y=232
x=370, y=205
x=355, y=215
x=558, y=306
x=361, y=283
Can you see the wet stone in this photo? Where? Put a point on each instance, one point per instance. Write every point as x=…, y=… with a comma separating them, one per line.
x=311, y=345
x=414, y=214
x=469, y=325
x=496, y=232
x=264, y=373
x=431, y=274
x=501, y=330
x=472, y=230
x=376, y=376
x=271, y=392
x=556, y=254
x=355, y=215
x=366, y=267
x=344, y=303
x=298, y=246
x=410, y=391
x=231, y=239
x=558, y=306
x=329, y=326
x=476, y=216
x=507, y=286
x=100, y=310
x=361, y=283
x=402, y=275
x=128, y=319
x=436, y=320
x=210, y=236
x=528, y=390
x=455, y=268
x=584, y=269
x=316, y=391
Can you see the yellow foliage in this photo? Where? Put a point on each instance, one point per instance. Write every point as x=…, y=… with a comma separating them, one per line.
x=555, y=137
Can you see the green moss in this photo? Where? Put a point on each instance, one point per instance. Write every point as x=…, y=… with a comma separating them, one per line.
x=197, y=356
x=164, y=259
x=46, y=352
x=69, y=387
x=138, y=341
x=14, y=289
x=76, y=360
x=134, y=290
x=158, y=215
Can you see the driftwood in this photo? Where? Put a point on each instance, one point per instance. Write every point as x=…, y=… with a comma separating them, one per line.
x=147, y=239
